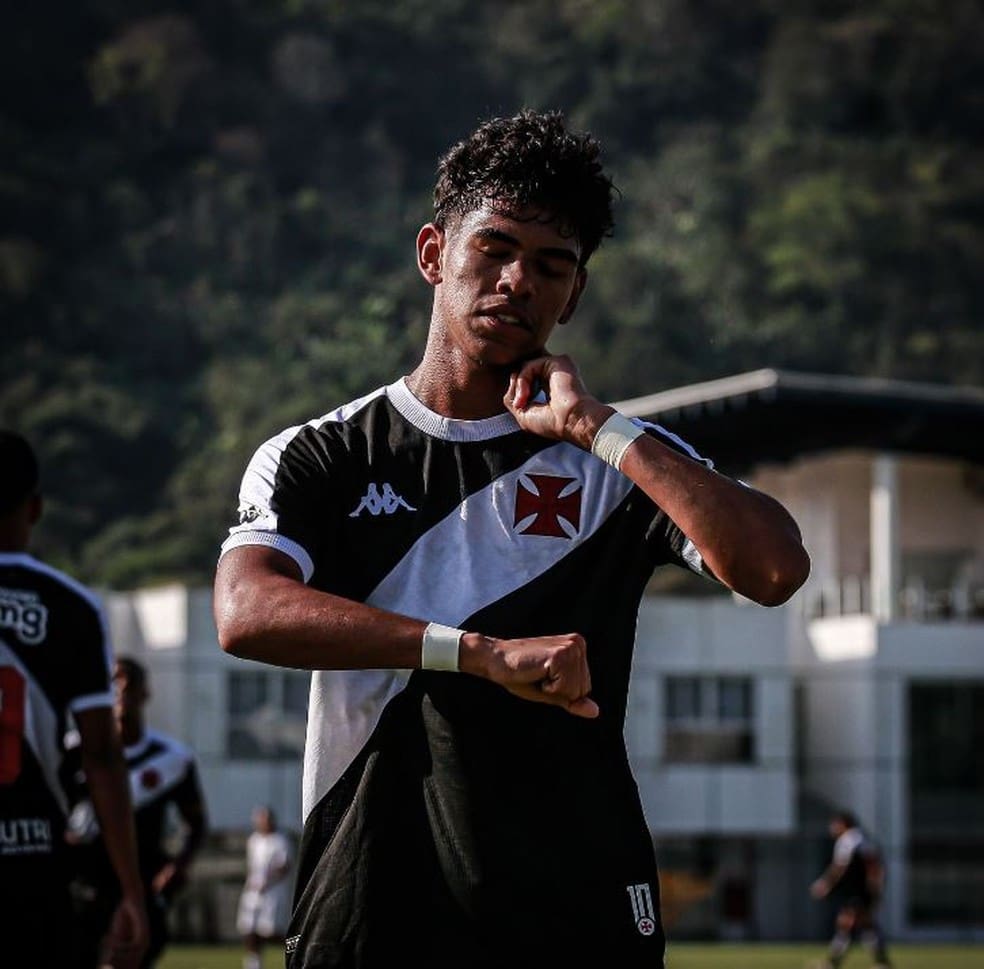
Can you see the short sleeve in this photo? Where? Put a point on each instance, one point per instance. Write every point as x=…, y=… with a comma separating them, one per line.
x=845, y=846
x=89, y=658
x=284, y=498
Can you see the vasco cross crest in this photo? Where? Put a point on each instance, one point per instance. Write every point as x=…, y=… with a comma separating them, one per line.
x=548, y=504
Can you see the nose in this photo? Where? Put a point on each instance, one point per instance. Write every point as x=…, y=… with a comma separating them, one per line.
x=515, y=279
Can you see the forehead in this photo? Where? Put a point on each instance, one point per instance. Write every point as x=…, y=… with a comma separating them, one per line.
x=531, y=227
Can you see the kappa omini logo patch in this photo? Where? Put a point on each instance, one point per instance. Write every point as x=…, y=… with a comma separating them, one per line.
x=381, y=502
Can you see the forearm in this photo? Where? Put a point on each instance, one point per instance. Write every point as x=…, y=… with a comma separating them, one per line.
x=831, y=876
x=263, y=611
x=287, y=623
x=109, y=790
x=194, y=837
x=293, y=625
x=746, y=539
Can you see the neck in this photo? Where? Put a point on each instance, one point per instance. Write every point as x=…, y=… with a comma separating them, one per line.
x=456, y=386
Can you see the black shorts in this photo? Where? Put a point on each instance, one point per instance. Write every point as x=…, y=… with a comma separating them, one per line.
x=37, y=926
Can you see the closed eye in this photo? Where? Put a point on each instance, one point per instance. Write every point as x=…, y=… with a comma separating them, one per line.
x=552, y=270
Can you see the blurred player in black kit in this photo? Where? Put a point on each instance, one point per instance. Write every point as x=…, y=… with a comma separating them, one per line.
x=54, y=663
x=162, y=774
x=856, y=877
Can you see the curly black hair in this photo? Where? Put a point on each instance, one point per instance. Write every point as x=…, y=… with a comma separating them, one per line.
x=529, y=161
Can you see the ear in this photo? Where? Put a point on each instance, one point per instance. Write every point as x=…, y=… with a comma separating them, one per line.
x=430, y=252
x=580, y=281
x=35, y=509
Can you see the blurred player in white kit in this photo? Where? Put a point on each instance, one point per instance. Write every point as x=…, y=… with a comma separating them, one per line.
x=263, y=905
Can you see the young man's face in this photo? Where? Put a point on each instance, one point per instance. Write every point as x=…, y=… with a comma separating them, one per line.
x=504, y=282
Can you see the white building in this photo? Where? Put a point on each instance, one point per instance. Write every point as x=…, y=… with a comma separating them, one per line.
x=746, y=726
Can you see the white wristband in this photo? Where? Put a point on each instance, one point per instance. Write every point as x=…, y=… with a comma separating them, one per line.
x=439, y=648
x=613, y=439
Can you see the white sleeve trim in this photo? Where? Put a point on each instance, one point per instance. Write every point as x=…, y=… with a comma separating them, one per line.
x=272, y=540
x=692, y=557
x=846, y=845
x=90, y=702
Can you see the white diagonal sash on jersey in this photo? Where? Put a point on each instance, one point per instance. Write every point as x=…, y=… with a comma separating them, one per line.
x=40, y=727
x=468, y=560
x=476, y=551
x=170, y=767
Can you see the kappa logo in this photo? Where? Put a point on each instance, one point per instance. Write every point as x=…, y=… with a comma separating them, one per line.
x=387, y=502
x=547, y=504
x=248, y=514
x=642, y=908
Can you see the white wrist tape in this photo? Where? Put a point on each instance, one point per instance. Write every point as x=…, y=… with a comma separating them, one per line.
x=613, y=439
x=439, y=649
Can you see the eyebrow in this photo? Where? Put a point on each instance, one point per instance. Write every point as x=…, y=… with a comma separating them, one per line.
x=551, y=252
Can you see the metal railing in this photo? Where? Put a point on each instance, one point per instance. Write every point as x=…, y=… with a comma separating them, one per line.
x=851, y=595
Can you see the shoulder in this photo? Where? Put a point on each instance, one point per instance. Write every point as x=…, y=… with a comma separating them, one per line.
x=847, y=843
x=314, y=445
x=49, y=577
x=328, y=426
x=165, y=743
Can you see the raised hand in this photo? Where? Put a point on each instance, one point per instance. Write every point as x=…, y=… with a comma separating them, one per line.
x=567, y=412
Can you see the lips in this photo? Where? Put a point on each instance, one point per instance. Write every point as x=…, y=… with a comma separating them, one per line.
x=505, y=316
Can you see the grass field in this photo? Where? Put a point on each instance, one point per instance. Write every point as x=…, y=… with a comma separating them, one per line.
x=680, y=957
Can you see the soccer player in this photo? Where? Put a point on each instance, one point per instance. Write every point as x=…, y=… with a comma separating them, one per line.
x=162, y=773
x=54, y=662
x=460, y=556
x=264, y=900
x=856, y=874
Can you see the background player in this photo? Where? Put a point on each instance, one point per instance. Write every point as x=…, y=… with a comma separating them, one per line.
x=54, y=661
x=856, y=875
x=162, y=775
x=263, y=905
x=487, y=524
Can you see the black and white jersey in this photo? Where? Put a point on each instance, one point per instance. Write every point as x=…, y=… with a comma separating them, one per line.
x=856, y=854
x=162, y=772
x=446, y=819
x=54, y=660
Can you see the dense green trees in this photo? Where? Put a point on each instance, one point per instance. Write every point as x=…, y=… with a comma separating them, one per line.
x=209, y=211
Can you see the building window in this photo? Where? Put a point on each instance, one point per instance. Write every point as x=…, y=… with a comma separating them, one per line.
x=709, y=720
x=946, y=789
x=267, y=714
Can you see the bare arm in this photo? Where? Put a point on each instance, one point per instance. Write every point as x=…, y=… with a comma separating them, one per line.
x=109, y=790
x=265, y=612
x=824, y=885
x=875, y=875
x=747, y=539
x=191, y=807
